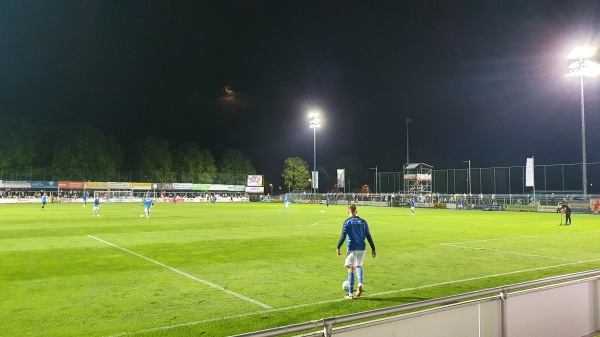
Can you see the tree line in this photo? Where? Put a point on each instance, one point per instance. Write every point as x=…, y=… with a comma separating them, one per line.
x=81, y=152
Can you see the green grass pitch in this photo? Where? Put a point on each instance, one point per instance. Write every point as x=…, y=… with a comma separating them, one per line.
x=197, y=269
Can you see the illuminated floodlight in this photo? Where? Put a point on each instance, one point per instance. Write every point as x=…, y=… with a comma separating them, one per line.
x=582, y=52
x=315, y=123
x=583, y=67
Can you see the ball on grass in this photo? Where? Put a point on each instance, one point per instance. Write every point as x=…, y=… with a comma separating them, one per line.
x=345, y=285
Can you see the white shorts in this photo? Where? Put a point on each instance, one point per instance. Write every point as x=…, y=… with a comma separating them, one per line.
x=354, y=258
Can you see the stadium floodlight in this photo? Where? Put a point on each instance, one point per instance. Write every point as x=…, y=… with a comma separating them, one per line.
x=315, y=123
x=583, y=67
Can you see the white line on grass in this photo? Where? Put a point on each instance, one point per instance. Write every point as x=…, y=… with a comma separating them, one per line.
x=522, y=237
x=185, y=274
x=168, y=327
x=507, y=252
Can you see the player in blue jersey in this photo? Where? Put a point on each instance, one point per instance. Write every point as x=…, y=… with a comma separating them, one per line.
x=147, y=203
x=44, y=201
x=213, y=200
x=96, y=210
x=286, y=202
x=357, y=230
x=84, y=199
x=327, y=201
x=412, y=206
x=459, y=205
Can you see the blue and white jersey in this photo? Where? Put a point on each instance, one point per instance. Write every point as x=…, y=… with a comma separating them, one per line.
x=44, y=199
x=357, y=230
x=460, y=202
x=147, y=203
x=285, y=200
x=412, y=203
x=96, y=202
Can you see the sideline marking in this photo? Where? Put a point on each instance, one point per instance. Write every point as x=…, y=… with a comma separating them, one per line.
x=184, y=274
x=168, y=327
x=506, y=252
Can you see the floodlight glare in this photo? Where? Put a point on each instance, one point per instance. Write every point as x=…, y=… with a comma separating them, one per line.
x=582, y=52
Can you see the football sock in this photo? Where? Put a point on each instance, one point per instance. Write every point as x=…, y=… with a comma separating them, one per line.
x=359, y=274
x=350, y=283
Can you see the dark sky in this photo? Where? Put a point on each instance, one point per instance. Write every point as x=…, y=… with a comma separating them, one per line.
x=481, y=80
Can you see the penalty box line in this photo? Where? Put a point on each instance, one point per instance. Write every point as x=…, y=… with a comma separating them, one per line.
x=175, y=270
x=181, y=325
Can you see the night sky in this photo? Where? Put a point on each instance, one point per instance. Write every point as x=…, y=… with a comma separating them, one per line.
x=481, y=80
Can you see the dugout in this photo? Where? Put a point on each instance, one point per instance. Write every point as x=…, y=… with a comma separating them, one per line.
x=417, y=178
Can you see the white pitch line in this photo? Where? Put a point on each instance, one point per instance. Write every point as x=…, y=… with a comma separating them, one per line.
x=507, y=252
x=522, y=237
x=167, y=327
x=185, y=274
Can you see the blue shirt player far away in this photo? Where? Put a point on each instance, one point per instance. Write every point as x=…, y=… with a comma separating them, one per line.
x=147, y=204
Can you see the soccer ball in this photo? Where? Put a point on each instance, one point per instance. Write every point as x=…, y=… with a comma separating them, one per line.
x=141, y=215
x=345, y=285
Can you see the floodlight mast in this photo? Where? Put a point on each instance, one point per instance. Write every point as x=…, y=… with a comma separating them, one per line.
x=314, y=124
x=583, y=67
x=407, y=122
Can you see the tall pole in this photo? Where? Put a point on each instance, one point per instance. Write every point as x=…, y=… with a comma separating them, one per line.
x=314, y=159
x=314, y=124
x=583, y=67
x=375, y=180
x=407, y=122
x=584, y=164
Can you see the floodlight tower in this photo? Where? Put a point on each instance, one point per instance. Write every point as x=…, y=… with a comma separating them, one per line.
x=408, y=121
x=580, y=68
x=314, y=124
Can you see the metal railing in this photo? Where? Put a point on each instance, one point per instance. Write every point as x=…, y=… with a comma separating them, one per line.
x=327, y=324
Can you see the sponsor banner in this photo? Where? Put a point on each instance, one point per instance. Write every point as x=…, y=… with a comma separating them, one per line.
x=423, y=205
x=218, y=187
x=255, y=189
x=200, y=187
x=529, y=177
x=141, y=186
x=341, y=178
x=441, y=205
x=236, y=188
x=95, y=185
x=254, y=180
x=115, y=185
x=579, y=206
x=71, y=185
x=15, y=184
x=595, y=205
x=182, y=186
x=48, y=185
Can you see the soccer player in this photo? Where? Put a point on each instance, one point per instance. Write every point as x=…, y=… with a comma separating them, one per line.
x=174, y=198
x=96, y=210
x=147, y=202
x=567, y=211
x=286, y=202
x=213, y=201
x=357, y=231
x=44, y=200
x=460, y=206
x=412, y=206
x=84, y=199
x=327, y=201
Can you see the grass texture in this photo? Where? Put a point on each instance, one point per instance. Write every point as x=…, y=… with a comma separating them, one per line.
x=194, y=269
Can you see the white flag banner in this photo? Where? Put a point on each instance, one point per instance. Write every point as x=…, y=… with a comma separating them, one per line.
x=529, y=173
